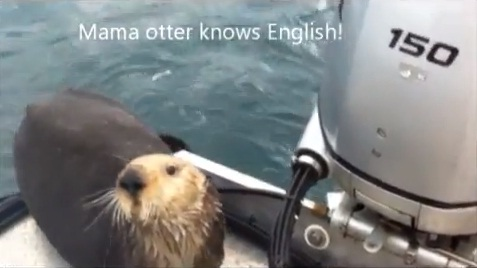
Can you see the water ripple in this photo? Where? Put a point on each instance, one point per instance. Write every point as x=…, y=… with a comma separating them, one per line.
x=8, y=53
x=243, y=104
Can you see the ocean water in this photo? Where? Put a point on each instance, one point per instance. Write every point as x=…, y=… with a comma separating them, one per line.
x=243, y=103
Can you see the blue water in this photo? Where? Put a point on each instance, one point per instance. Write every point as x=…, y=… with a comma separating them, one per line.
x=241, y=103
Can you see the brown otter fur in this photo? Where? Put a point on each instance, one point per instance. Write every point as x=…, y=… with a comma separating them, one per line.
x=71, y=148
x=173, y=211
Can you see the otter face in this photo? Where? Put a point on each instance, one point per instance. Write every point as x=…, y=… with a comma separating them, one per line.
x=158, y=187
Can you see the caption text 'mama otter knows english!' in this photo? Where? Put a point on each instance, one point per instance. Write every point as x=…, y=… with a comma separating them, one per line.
x=271, y=31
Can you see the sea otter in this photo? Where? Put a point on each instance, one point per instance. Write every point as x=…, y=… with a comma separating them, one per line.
x=78, y=149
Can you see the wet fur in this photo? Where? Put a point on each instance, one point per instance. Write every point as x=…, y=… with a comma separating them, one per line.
x=68, y=151
x=174, y=221
x=177, y=219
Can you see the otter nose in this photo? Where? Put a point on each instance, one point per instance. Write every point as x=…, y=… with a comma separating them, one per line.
x=132, y=182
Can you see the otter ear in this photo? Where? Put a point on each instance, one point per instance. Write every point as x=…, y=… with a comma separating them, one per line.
x=174, y=143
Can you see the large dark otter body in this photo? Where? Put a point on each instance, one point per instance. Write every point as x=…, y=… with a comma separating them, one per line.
x=67, y=148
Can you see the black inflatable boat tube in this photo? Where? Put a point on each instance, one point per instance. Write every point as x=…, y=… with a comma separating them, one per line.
x=12, y=209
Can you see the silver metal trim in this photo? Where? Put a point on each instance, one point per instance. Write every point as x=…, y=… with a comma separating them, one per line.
x=365, y=226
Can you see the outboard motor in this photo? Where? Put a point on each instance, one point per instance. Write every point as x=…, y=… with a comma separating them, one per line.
x=395, y=126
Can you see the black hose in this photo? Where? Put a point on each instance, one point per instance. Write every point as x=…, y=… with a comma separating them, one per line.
x=279, y=251
x=253, y=221
x=251, y=191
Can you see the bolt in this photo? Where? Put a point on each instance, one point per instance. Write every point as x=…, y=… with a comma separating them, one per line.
x=342, y=228
x=381, y=132
x=371, y=245
x=376, y=153
x=316, y=238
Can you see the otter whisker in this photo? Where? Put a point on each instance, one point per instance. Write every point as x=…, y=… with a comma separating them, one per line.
x=102, y=191
x=145, y=212
x=148, y=211
x=102, y=200
x=122, y=218
x=119, y=158
x=104, y=196
x=114, y=215
x=109, y=205
x=118, y=216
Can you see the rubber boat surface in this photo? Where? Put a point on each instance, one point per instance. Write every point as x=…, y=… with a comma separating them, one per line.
x=250, y=205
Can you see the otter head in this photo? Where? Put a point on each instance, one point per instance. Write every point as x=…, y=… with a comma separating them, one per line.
x=159, y=188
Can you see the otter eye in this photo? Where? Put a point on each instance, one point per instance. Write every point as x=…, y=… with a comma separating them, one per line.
x=171, y=170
